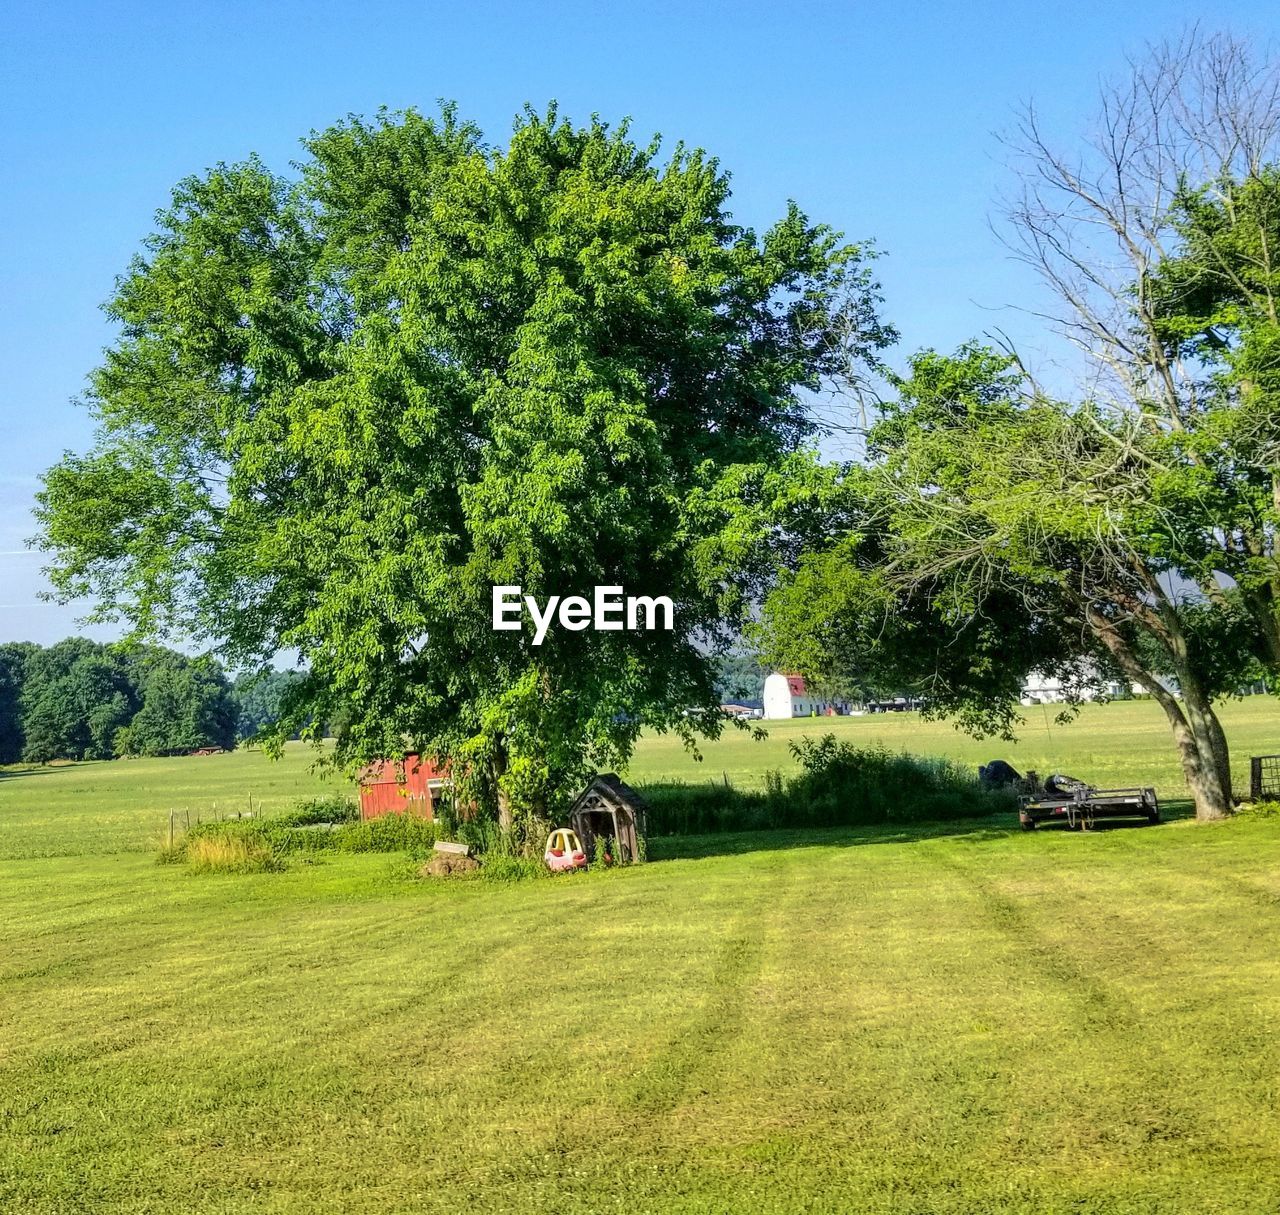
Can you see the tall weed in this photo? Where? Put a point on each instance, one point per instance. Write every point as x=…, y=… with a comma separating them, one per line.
x=231, y=854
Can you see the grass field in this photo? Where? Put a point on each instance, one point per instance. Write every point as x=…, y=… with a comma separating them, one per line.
x=959, y=1019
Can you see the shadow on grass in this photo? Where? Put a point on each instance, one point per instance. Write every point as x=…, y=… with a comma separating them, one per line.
x=16, y=772
x=974, y=830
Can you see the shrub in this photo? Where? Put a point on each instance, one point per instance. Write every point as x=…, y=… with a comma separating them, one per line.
x=319, y=810
x=231, y=854
x=305, y=831
x=839, y=785
x=389, y=833
x=679, y=808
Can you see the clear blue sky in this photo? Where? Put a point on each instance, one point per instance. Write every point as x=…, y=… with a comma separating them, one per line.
x=876, y=117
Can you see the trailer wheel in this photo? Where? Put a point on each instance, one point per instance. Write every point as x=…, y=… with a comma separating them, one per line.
x=1153, y=816
x=1028, y=824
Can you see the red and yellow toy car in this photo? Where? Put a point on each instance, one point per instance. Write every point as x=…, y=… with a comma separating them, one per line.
x=564, y=851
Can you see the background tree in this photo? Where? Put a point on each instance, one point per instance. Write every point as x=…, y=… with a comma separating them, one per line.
x=739, y=676
x=13, y=660
x=186, y=704
x=75, y=696
x=343, y=407
x=79, y=699
x=260, y=698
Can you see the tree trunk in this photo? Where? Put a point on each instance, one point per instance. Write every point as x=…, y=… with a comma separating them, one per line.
x=1197, y=733
x=1204, y=779
x=1214, y=798
x=498, y=769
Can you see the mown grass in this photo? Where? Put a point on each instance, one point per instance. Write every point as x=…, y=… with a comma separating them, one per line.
x=949, y=1019
x=974, y=1022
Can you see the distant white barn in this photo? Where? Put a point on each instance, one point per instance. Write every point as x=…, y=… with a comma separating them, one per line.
x=787, y=696
x=1042, y=689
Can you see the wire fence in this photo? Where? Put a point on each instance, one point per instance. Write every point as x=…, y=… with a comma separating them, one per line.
x=1264, y=778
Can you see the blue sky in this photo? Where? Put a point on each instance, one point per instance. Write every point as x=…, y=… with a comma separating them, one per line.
x=876, y=117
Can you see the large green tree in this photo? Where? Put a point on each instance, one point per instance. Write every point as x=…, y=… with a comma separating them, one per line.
x=344, y=406
x=993, y=531
x=903, y=585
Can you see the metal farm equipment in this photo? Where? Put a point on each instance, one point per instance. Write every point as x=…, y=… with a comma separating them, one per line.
x=1069, y=801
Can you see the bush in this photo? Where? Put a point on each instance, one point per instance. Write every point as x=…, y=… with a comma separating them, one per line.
x=390, y=833
x=844, y=785
x=319, y=810
x=321, y=825
x=839, y=785
x=679, y=808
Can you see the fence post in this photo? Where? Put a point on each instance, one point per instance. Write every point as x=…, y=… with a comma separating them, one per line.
x=170, y=830
x=1255, y=778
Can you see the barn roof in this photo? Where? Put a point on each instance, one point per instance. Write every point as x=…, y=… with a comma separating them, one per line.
x=796, y=684
x=394, y=772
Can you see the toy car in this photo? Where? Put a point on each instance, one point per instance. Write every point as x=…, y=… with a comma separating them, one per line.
x=564, y=851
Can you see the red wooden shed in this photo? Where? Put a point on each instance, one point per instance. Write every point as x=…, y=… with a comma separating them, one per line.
x=411, y=787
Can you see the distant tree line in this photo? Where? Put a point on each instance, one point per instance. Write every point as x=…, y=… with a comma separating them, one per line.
x=80, y=699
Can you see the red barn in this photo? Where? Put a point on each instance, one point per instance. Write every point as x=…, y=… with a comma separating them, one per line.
x=414, y=787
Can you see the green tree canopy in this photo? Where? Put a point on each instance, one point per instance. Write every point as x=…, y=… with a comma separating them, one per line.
x=186, y=704
x=260, y=700
x=13, y=660
x=994, y=531
x=75, y=696
x=342, y=407
x=80, y=699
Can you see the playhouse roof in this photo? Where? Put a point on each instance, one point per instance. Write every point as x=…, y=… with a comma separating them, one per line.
x=608, y=788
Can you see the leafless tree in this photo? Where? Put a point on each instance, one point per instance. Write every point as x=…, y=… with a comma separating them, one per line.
x=1096, y=220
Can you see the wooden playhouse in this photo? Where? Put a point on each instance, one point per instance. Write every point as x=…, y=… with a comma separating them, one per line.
x=609, y=808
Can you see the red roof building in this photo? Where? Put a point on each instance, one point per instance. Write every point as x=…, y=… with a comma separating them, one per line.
x=412, y=787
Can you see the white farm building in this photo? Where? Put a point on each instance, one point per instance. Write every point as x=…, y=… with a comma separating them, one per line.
x=786, y=696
